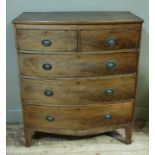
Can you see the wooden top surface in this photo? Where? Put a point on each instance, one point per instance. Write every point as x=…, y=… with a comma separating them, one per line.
x=76, y=18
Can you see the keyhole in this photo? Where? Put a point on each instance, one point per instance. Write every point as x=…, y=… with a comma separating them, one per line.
x=77, y=82
x=45, y=32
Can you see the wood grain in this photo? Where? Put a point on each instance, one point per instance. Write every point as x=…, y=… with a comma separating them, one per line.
x=77, y=18
x=78, y=27
x=77, y=117
x=62, y=40
x=77, y=91
x=81, y=65
x=96, y=40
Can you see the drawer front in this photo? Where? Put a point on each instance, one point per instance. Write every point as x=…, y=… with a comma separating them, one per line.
x=77, y=117
x=47, y=40
x=82, y=65
x=110, y=39
x=77, y=91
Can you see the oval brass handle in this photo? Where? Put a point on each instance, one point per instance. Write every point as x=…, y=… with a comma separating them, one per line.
x=46, y=42
x=47, y=66
x=111, y=42
x=108, y=117
x=109, y=91
x=110, y=65
x=50, y=118
x=48, y=93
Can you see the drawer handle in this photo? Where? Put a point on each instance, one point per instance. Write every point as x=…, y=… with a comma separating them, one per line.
x=50, y=118
x=111, y=42
x=46, y=43
x=47, y=66
x=110, y=65
x=109, y=91
x=108, y=117
x=48, y=93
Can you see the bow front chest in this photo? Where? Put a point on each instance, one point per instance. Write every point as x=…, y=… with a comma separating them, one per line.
x=77, y=71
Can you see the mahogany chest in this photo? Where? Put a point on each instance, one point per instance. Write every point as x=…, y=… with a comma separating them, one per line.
x=77, y=71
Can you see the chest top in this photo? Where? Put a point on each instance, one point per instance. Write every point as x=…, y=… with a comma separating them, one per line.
x=76, y=18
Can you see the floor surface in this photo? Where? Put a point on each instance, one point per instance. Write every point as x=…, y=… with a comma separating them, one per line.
x=103, y=144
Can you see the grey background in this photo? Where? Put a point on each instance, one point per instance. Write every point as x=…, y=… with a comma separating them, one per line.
x=16, y=7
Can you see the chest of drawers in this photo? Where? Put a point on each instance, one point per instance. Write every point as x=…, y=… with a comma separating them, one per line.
x=77, y=71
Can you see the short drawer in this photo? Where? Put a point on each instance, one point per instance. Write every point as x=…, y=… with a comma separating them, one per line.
x=113, y=39
x=47, y=40
x=78, y=91
x=82, y=65
x=77, y=117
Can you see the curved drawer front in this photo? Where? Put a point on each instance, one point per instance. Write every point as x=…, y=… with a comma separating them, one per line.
x=77, y=117
x=110, y=39
x=82, y=65
x=77, y=91
x=47, y=40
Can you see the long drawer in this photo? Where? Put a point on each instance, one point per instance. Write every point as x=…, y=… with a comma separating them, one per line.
x=81, y=65
x=77, y=117
x=98, y=40
x=47, y=40
x=78, y=91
